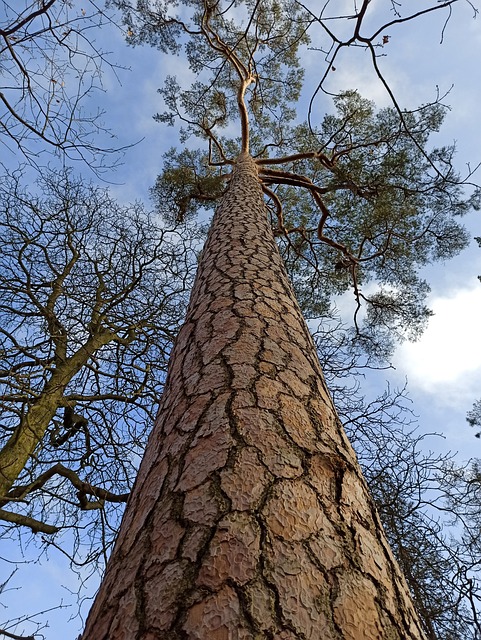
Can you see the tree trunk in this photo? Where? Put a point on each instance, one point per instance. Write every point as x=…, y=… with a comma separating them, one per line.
x=249, y=517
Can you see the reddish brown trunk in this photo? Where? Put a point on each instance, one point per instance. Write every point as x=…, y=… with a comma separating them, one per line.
x=249, y=518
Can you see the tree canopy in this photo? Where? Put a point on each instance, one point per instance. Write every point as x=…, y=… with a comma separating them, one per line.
x=359, y=201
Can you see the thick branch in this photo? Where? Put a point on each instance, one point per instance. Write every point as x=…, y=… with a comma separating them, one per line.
x=244, y=116
x=324, y=160
x=14, y=636
x=294, y=179
x=26, y=437
x=31, y=16
x=24, y=521
x=84, y=488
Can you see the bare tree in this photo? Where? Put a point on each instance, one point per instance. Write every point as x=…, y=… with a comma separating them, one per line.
x=462, y=487
x=50, y=63
x=92, y=294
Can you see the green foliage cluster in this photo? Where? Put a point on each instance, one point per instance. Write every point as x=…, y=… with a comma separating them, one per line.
x=186, y=183
x=474, y=417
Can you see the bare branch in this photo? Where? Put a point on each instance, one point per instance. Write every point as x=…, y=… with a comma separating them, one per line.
x=25, y=521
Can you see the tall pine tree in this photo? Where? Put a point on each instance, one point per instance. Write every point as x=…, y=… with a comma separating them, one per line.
x=250, y=517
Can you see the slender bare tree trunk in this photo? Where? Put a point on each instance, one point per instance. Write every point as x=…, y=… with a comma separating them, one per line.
x=249, y=517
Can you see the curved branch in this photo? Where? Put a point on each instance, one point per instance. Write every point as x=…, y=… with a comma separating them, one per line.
x=413, y=16
x=278, y=205
x=20, y=520
x=323, y=159
x=220, y=46
x=320, y=231
x=225, y=161
x=14, y=636
x=84, y=489
x=286, y=177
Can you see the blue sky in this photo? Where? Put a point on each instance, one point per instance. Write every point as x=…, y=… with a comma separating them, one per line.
x=444, y=367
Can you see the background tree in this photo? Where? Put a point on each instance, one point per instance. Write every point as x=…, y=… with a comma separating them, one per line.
x=50, y=63
x=387, y=192
x=91, y=295
x=462, y=488
x=474, y=416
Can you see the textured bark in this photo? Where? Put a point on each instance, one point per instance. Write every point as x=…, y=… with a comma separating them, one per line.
x=249, y=518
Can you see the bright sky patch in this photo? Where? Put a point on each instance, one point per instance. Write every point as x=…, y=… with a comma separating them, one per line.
x=450, y=346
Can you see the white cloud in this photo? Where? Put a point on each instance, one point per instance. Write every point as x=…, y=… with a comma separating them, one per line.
x=449, y=352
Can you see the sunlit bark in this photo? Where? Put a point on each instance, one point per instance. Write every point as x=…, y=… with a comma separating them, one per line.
x=249, y=518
